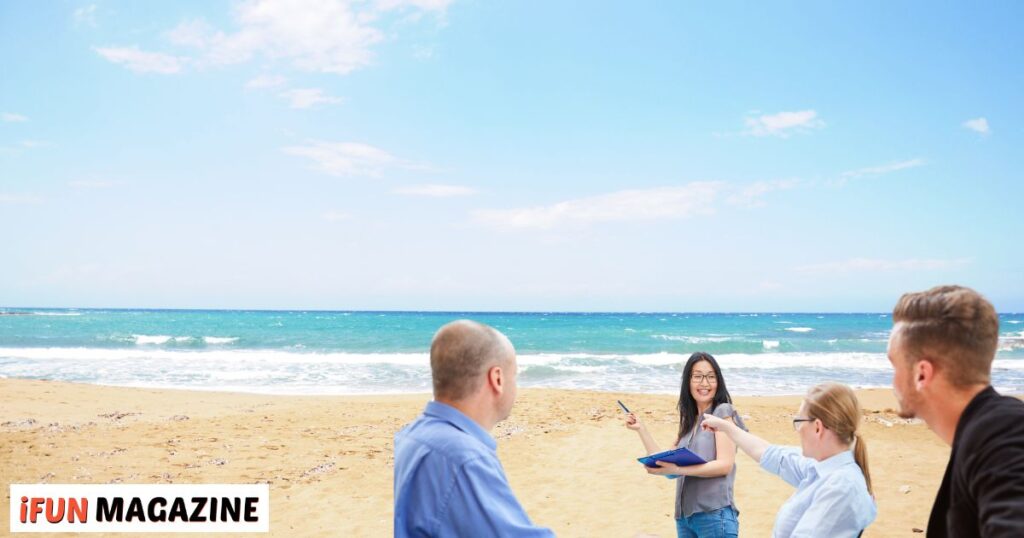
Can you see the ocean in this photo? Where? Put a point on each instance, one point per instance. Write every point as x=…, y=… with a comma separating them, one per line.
x=319, y=352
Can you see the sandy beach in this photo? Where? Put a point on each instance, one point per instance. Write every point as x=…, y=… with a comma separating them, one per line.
x=328, y=459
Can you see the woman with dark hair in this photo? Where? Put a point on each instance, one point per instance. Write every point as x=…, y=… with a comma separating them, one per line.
x=704, y=493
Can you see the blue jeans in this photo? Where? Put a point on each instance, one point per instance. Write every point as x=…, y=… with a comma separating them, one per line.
x=721, y=523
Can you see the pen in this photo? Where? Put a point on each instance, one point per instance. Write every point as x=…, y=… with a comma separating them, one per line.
x=623, y=406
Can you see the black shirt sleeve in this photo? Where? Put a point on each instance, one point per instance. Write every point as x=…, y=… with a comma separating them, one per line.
x=995, y=473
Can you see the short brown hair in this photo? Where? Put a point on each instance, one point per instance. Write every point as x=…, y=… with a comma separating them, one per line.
x=955, y=327
x=460, y=354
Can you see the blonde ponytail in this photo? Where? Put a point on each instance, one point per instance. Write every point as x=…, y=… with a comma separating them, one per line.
x=860, y=455
x=836, y=406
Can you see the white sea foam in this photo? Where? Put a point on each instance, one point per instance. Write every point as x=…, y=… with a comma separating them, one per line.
x=693, y=339
x=145, y=339
x=799, y=329
x=731, y=360
x=567, y=368
x=1013, y=321
x=223, y=356
x=58, y=314
x=214, y=340
x=770, y=344
x=1011, y=342
x=241, y=375
x=292, y=372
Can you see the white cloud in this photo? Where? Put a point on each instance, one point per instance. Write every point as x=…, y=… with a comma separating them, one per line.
x=885, y=168
x=308, y=97
x=752, y=195
x=783, y=123
x=266, y=81
x=631, y=205
x=85, y=15
x=143, y=62
x=859, y=265
x=90, y=184
x=335, y=216
x=425, y=5
x=872, y=171
x=195, y=33
x=978, y=125
x=421, y=52
x=327, y=36
x=348, y=158
x=297, y=97
x=435, y=191
x=18, y=199
x=11, y=117
x=24, y=145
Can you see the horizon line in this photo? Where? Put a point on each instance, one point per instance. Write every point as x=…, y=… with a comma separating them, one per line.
x=5, y=309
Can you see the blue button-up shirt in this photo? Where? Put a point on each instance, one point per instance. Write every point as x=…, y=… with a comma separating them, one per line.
x=449, y=482
x=831, y=498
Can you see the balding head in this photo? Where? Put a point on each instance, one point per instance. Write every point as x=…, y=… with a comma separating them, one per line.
x=460, y=355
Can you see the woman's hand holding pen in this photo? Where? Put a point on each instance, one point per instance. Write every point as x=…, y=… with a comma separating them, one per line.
x=633, y=423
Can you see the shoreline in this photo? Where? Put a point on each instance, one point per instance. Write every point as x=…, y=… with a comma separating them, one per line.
x=339, y=448
x=240, y=391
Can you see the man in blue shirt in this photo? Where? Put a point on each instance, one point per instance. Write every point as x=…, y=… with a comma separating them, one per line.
x=448, y=480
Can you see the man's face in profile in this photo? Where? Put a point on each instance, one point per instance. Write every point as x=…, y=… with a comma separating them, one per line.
x=903, y=387
x=508, y=397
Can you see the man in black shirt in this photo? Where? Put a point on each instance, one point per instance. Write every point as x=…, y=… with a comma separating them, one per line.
x=941, y=347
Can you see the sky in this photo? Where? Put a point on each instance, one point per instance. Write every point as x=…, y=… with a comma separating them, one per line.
x=513, y=156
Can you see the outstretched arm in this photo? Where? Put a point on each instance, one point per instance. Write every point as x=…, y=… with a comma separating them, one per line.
x=753, y=445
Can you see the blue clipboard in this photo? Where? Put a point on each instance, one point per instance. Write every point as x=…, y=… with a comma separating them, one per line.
x=679, y=456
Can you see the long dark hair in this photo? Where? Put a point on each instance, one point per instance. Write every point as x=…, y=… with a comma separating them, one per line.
x=687, y=405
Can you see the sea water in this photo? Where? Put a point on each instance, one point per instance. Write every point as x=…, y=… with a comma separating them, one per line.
x=319, y=352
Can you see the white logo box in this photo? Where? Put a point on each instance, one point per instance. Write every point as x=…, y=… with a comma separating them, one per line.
x=234, y=501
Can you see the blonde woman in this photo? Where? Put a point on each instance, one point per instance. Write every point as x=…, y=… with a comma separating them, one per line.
x=830, y=470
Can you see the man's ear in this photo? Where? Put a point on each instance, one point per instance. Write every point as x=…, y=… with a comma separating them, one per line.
x=495, y=379
x=924, y=373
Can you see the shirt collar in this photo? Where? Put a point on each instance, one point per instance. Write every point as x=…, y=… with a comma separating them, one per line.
x=834, y=463
x=973, y=406
x=456, y=418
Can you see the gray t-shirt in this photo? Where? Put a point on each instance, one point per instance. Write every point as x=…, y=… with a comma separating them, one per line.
x=696, y=494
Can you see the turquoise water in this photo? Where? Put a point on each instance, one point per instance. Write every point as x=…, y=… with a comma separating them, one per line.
x=297, y=352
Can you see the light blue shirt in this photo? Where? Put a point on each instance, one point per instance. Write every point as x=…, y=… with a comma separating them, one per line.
x=831, y=496
x=449, y=482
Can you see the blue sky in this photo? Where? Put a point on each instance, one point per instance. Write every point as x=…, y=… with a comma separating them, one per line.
x=449, y=155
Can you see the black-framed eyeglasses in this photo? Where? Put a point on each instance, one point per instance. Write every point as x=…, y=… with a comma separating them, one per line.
x=798, y=420
x=700, y=378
